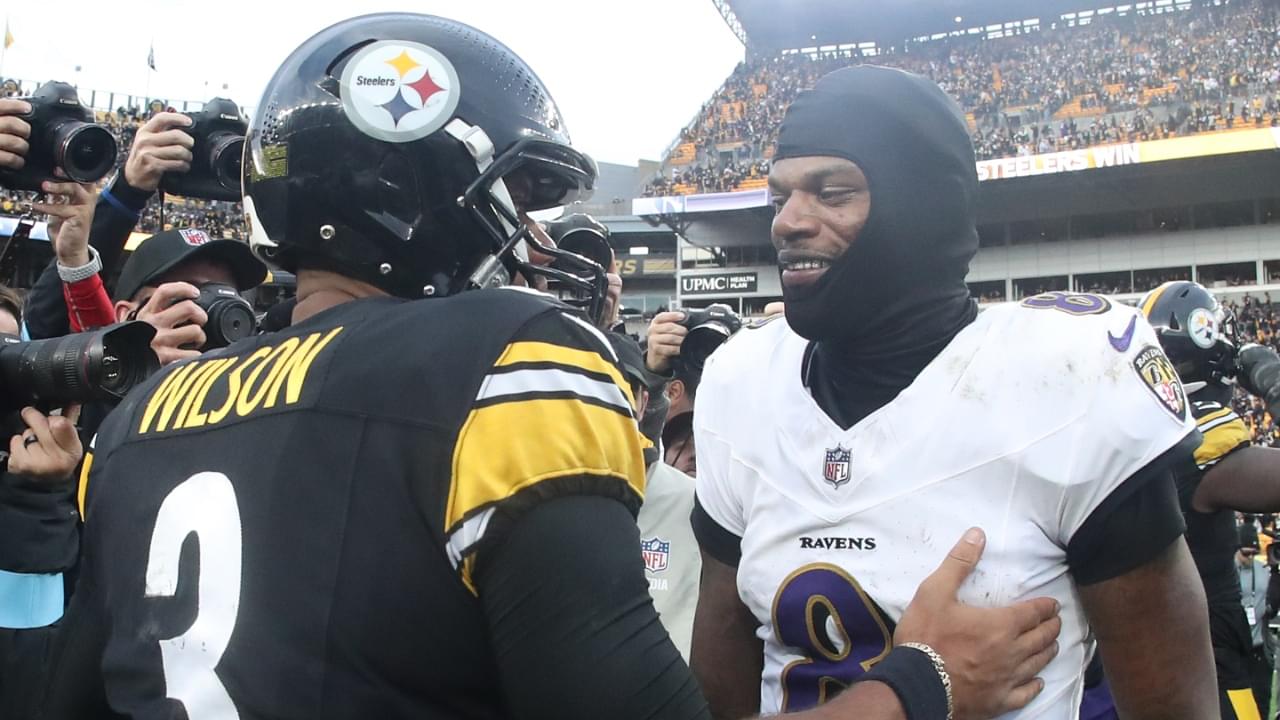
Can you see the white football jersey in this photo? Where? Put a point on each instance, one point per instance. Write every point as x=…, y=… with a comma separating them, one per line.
x=1022, y=426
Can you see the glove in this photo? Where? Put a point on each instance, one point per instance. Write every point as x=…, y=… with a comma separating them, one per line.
x=1260, y=374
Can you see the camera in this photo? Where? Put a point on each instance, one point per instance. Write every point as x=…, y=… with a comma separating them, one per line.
x=63, y=135
x=582, y=235
x=580, y=257
x=82, y=367
x=218, y=131
x=708, y=328
x=231, y=317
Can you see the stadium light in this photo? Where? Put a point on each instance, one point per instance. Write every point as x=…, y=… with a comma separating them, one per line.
x=959, y=19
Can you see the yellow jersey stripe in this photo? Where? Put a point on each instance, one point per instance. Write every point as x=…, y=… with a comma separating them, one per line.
x=509, y=447
x=83, y=489
x=571, y=358
x=1242, y=702
x=1221, y=440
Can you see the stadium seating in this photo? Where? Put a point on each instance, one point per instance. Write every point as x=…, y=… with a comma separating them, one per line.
x=1121, y=78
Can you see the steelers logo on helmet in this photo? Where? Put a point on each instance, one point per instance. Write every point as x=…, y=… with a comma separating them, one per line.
x=1202, y=328
x=399, y=91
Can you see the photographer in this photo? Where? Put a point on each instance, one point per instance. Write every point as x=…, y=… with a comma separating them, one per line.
x=678, y=345
x=39, y=543
x=161, y=284
x=1254, y=584
x=672, y=563
x=160, y=146
x=583, y=235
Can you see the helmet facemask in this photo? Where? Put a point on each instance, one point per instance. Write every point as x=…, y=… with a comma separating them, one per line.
x=557, y=175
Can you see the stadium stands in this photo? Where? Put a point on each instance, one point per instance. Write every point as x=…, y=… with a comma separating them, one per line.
x=1120, y=78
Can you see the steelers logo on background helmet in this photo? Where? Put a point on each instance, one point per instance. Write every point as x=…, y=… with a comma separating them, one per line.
x=399, y=91
x=1202, y=328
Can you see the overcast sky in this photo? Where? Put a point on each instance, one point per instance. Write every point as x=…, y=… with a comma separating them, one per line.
x=628, y=74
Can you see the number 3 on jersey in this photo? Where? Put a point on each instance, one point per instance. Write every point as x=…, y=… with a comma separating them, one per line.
x=204, y=504
x=822, y=612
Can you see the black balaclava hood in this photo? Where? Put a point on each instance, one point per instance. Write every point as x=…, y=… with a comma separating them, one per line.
x=897, y=296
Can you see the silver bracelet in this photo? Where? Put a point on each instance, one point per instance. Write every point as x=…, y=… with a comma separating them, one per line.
x=941, y=668
x=83, y=272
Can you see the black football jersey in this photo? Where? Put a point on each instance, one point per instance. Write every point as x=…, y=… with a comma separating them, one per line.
x=1212, y=537
x=287, y=528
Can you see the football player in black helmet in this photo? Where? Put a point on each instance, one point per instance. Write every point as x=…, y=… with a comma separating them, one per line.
x=390, y=509
x=1228, y=473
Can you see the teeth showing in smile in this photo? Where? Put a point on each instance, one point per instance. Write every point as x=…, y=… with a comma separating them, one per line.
x=806, y=265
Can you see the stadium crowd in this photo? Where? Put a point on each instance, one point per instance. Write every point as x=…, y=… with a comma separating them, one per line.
x=1116, y=79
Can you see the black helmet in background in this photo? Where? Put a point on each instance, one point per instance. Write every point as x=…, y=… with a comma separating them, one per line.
x=399, y=149
x=1195, y=330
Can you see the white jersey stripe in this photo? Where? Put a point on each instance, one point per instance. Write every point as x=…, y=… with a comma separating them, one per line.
x=545, y=380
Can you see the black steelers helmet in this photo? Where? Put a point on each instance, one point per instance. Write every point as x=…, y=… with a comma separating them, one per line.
x=398, y=149
x=1195, y=330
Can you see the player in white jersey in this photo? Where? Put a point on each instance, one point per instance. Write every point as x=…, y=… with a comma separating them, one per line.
x=885, y=416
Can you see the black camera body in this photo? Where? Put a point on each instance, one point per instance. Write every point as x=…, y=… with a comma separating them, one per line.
x=231, y=317
x=709, y=328
x=63, y=135
x=77, y=368
x=218, y=131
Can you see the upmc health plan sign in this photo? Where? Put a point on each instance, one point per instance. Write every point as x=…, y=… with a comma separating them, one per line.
x=737, y=283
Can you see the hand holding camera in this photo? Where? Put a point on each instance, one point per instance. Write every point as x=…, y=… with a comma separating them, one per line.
x=215, y=144
x=60, y=135
x=14, y=132
x=178, y=320
x=189, y=319
x=49, y=449
x=666, y=334
x=160, y=146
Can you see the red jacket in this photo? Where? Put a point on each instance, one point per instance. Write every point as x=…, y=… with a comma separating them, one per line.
x=88, y=305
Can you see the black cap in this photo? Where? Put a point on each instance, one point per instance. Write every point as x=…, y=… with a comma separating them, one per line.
x=631, y=359
x=163, y=251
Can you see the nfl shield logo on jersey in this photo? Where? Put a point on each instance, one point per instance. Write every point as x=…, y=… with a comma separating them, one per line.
x=656, y=552
x=836, y=468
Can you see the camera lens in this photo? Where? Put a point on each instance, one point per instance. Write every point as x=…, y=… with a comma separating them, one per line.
x=84, y=152
x=225, y=151
x=229, y=321
x=589, y=245
x=76, y=368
